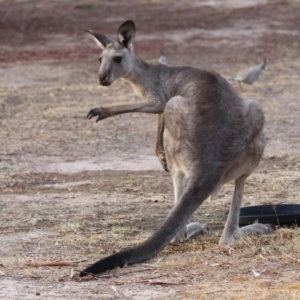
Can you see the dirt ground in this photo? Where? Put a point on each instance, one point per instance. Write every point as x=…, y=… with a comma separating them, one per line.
x=73, y=191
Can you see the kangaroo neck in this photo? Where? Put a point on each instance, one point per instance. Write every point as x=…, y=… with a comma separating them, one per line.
x=138, y=71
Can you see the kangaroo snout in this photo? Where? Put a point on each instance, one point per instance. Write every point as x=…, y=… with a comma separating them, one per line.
x=103, y=79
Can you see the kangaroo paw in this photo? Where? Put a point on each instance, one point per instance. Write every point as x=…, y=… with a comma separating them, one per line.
x=163, y=160
x=100, y=112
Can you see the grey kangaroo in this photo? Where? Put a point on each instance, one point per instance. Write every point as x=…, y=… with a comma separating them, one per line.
x=207, y=136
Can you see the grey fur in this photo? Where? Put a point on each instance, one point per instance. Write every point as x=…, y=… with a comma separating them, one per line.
x=207, y=134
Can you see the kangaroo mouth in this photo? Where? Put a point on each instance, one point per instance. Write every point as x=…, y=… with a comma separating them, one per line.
x=104, y=82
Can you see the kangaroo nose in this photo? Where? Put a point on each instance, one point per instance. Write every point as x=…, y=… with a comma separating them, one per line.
x=102, y=79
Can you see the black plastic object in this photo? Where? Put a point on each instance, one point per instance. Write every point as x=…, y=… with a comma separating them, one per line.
x=281, y=214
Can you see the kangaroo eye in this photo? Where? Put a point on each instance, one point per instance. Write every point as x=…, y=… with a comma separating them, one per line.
x=118, y=59
x=100, y=59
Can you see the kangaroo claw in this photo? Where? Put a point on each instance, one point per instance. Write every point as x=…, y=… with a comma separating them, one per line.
x=100, y=112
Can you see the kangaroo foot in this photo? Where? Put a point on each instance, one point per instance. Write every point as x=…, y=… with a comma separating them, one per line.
x=190, y=231
x=256, y=229
x=252, y=229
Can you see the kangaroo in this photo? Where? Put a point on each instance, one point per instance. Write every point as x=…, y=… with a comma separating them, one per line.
x=207, y=135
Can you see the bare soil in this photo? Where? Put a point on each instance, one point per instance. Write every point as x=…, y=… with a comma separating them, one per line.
x=73, y=191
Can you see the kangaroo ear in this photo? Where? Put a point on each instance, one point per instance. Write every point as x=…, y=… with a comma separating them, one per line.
x=126, y=34
x=101, y=40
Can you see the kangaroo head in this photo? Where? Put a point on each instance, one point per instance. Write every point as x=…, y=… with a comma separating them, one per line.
x=116, y=59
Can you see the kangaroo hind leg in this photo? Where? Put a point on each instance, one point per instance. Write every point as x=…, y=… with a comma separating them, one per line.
x=232, y=231
x=192, y=229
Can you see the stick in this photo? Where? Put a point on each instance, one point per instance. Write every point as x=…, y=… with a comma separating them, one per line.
x=116, y=275
x=55, y=263
x=291, y=257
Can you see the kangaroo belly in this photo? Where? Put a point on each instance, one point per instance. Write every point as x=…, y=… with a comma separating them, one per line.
x=176, y=141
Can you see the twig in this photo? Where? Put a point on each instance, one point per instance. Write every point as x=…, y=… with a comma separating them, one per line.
x=291, y=257
x=72, y=274
x=134, y=271
x=220, y=291
x=162, y=282
x=148, y=280
x=34, y=276
x=55, y=263
x=150, y=265
x=115, y=275
x=261, y=256
x=115, y=290
x=222, y=265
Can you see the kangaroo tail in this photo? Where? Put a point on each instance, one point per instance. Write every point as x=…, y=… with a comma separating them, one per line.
x=195, y=193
